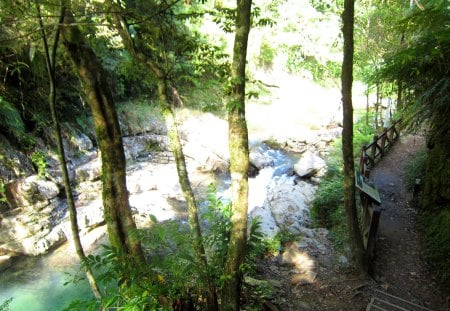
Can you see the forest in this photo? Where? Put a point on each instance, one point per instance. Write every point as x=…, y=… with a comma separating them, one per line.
x=90, y=80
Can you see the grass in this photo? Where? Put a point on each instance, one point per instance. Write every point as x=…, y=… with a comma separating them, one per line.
x=328, y=204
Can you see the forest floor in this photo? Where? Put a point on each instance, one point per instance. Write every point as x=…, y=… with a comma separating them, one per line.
x=399, y=268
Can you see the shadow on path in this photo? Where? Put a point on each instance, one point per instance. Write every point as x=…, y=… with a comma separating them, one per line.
x=399, y=267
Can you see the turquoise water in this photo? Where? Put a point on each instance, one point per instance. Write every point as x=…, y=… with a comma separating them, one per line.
x=37, y=284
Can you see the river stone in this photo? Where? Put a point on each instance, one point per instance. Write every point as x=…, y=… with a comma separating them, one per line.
x=309, y=165
x=89, y=171
x=33, y=192
x=259, y=159
x=206, y=142
x=268, y=225
x=289, y=205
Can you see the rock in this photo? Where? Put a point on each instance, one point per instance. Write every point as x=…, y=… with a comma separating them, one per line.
x=206, y=142
x=343, y=261
x=309, y=165
x=288, y=204
x=145, y=145
x=90, y=171
x=268, y=225
x=32, y=192
x=259, y=159
x=5, y=262
x=13, y=163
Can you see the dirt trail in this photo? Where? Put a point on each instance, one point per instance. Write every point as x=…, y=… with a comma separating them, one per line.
x=399, y=267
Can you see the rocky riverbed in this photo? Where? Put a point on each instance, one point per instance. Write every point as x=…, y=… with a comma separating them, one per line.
x=34, y=219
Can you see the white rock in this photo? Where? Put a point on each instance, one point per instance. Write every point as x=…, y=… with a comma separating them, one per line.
x=308, y=165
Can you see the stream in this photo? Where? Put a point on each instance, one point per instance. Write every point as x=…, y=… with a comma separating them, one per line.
x=37, y=283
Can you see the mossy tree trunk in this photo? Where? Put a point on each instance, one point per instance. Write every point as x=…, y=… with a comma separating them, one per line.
x=239, y=162
x=117, y=212
x=175, y=146
x=50, y=60
x=354, y=232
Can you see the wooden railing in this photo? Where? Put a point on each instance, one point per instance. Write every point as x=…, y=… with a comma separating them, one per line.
x=370, y=212
x=372, y=152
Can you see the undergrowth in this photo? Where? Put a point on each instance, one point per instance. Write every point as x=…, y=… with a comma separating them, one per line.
x=436, y=242
x=173, y=275
x=328, y=204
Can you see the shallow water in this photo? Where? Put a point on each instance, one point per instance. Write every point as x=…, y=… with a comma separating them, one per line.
x=37, y=284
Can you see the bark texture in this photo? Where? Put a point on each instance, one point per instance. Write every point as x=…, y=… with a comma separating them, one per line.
x=50, y=60
x=239, y=162
x=354, y=232
x=164, y=89
x=117, y=212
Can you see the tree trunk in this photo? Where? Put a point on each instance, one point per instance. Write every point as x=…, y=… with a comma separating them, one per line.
x=50, y=60
x=355, y=237
x=117, y=212
x=177, y=150
x=239, y=162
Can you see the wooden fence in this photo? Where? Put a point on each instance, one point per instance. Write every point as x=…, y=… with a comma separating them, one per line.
x=370, y=212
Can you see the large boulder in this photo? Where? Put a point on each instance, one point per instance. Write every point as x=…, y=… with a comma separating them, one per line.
x=32, y=193
x=206, y=142
x=309, y=165
x=289, y=204
x=259, y=158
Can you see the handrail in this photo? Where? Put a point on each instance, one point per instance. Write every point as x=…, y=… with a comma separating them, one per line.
x=377, y=148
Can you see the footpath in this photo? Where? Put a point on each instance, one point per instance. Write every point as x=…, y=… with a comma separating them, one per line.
x=399, y=267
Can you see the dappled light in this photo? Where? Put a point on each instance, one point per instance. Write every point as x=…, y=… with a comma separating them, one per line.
x=211, y=148
x=304, y=264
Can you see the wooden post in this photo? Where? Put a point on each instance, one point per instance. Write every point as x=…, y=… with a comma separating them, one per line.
x=383, y=142
x=373, y=149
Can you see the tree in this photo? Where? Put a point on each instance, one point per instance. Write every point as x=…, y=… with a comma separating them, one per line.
x=421, y=66
x=50, y=59
x=239, y=161
x=117, y=212
x=354, y=232
x=143, y=52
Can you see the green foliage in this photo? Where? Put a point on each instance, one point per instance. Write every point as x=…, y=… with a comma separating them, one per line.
x=436, y=242
x=207, y=98
x=328, y=204
x=2, y=191
x=267, y=55
x=125, y=284
x=320, y=71
x=328, y=199
x=11, y=120
x=415, y=169
x=40, y=162
x=173, y=272
x=4, y=306
x=216, y=233
x=421, y=65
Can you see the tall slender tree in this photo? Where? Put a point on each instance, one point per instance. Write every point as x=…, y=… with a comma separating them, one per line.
x=142, y=53
x=117, y=212
x=354, y=232
x=239, y=161
x=50, y=60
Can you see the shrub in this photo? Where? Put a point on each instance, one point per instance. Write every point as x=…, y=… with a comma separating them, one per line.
x=415, y=169
x=436, y=242
x=39, y=160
